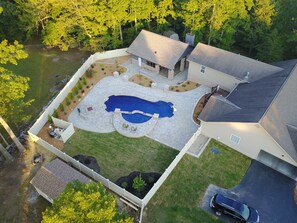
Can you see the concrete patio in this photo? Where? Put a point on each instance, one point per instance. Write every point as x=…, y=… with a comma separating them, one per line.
x=174, y=131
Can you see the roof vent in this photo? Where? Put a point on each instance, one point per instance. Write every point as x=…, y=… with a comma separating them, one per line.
x=246, y=77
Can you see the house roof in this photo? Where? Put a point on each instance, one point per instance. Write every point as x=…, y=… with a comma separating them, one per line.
x=230, y=63
x=159, y=49
x=271, y=101
x=280, y=119
x=253, y=99
x=52, y=178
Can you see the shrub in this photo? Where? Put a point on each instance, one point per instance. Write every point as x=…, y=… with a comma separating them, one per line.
x=184, y=85
x=188, y=82
x=56, y=114
x=75, y=90
x=151, y=179
x=124, y=185
x=70, y=95
x=82, y=91
x=102, y=65
x=84, y=81
x=88, y=86
x=92, y=65
x=79, y=85
x=138, y=184
x=78, y=96
x=67, y=101
x=49, y=119
x=61, y=107
x=102, y=68
x=89, y=73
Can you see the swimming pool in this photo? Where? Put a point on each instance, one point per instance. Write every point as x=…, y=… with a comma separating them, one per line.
x=131, y=103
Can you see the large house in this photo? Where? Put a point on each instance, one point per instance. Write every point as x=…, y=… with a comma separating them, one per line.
x=259, y=116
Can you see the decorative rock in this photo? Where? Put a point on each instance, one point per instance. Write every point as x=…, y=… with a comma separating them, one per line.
x=116, y=74
x=154, y=85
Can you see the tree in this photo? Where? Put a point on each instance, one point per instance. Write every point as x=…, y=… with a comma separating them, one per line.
x=84, y=203
x=12, y=88
x=271, y=48
x=285, y=22
x=257, y=25
x=116, y=13
x=214, y=21
x=138, y=184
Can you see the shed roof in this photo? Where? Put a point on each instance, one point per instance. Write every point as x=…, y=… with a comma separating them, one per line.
x=52, y=178
x=159, y=49
x=230, y=63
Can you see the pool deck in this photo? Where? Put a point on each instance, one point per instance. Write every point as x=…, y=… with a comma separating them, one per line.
x=174, y=132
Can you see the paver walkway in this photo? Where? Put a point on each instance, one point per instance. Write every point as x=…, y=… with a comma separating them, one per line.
x=174, y=131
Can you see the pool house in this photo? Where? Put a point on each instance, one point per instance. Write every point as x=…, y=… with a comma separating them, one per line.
x=159, y=54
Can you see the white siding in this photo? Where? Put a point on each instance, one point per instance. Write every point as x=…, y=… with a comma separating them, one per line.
x=211, y=77
x=253, y=138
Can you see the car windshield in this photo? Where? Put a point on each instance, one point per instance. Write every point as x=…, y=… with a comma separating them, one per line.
x=245, y=212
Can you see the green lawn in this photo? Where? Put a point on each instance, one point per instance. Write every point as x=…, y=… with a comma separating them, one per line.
x=179, y=197
x=45, y=67
x=118, y=155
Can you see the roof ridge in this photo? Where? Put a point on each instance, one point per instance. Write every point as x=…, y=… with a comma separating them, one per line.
x=239, y=55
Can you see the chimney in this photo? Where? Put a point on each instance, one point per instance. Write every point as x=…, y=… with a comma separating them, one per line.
x=190, y=39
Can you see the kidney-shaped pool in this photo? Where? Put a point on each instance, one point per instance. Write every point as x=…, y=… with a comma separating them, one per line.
x=131, y=103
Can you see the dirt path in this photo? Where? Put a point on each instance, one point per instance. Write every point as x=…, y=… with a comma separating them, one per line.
x=19, y=202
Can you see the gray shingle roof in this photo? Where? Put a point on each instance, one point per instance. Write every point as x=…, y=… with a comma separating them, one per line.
x=253, y=99
x=231, y=63
x=281, y=117
x=159, y=49
x=271, y=101
x=52, y=178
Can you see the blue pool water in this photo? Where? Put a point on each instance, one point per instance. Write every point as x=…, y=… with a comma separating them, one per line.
x=130, y=103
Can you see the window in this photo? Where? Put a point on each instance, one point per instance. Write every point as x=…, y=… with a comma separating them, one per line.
x=235, y=139
x=151, y=64
x=202, y=69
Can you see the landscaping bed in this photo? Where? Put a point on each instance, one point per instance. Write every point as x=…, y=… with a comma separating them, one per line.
x=88, y=161
x=198, y=109
x=141, y=80
x=183, y=87
x=129, y=182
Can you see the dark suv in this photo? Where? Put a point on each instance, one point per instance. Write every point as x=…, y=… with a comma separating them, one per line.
x=234, y=208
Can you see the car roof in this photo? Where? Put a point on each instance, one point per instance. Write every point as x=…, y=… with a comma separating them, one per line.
x=233, y=204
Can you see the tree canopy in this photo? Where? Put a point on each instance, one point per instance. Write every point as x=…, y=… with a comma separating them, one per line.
x=12, y=87
x=239, y=25
x=82, y=203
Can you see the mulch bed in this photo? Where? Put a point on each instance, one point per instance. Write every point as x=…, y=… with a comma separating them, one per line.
x=88, y=161
x=198, y=109
x=150, y=179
